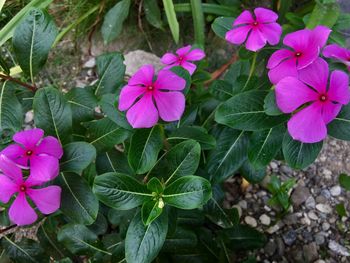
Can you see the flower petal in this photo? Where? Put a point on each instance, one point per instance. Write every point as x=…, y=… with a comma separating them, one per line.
x=184, y=50
x=171, y=105
x=337, y=52
x=278, y=56
x=308, y=125
x=291, y=93
x=320, y=35
x=339, y=87
x=29, y=138
x=10, y=169
x=47, y=199
x=190, y=67
x=309, y=55
x=7, y=188
x=330, y=111
x=272, y=32
x=238, y=35
x=264, y=15
x=42, y=169
x=168, y=80
x=21, y=213
x=14, y=152
x=298, y=40
x=143, y=114
x=168, y=58
x=255, y=40
x=51, y=146
x=315, y=75
x=244, y=18
x=128, y=95
x=144, y=76
x=195, y=55
x=286, y=68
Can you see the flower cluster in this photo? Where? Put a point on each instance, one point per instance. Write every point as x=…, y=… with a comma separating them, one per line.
x=298, y=73
x=41, y=157
x=147, y=97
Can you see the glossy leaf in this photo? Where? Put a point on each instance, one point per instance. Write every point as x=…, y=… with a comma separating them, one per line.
x=270, y=105
x=340, y=127
x=221, y=25
x=151, y=210
x=221, y=90
x=344, y=181
x=172, y=20
x=152, y=12
x=120, y=191
x=251, y=174
x=113, y=161
x=324, y=14
x=52, y=113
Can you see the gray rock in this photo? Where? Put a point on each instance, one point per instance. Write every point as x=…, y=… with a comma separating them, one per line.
x=290, y=219
x=307, y=236
x=325, y=226
x=312, y=215
x=338, y=249
x=326, y=193
x=135, y=59
x=270, y=248
x=90, y=63
x=289, y=237
x=250, y=221
x=310, y=203
x=310, y=252
x=321, y=199
x=319, y=238
x=265, y=220
x=300, y=195
x=243, y=204
x=280, y=246
x=324, y=208
x=335, y=190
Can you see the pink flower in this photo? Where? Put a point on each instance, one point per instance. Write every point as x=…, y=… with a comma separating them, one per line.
x=314, y=105
x=263, y=28
x=11, y=182
x=41, y=154
x=184, y=55
x=305, y=45
x=337, y=52
x=144, y=89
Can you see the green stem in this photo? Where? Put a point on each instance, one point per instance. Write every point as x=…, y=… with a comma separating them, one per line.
x=198, y=22
x=172, y=20
x=252, y=69
x=209, y=9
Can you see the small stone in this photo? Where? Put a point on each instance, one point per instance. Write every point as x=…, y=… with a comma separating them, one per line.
x=335, y=190
x=270, y=248
x=90, y=63
x=324, y=208
x=250, y=221
x=289, y=237
x=286, y=169
x=290, y=219
x=325, y=226
x=305, y=220
x=265, y=220
x=312, y=215
x=326, y=193
x=280, y=247
x=310, y=252
x=29, y=117
x=310, y=203
x=300, y=195
x=307, y=236
x=243, y=204
x=321, y=199
x=273, y=229
x=274, y=165
x=338, y=249
x=319, y=238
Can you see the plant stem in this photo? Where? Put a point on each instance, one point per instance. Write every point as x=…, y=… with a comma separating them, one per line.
x=198, y=22
x=217, y=73
x=252, y=69
x=7, y=77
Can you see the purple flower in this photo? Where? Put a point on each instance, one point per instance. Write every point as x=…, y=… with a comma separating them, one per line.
x=144, y=93
x=305, y=47
x=314, y=105
x=339, y=53
x=261, y=29
x=41, y=154
x=182, y=58
x=11, y=182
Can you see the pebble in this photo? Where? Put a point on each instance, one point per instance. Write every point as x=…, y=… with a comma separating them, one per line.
x=265, y=220
x=90, y=63
x=250, y=221
x=319, y=238
x=338, y=249
x=310, y=203
x=310, y=252
x=325, y=226
x=290, y=219
x=289, y=237
x=270, y=248
x=312, y=215
x=324, y=208
x=243, y=204
x=29, y=117
x=273, y=165
x=280, y=247
x=321, y=199
x=273, y=229
x=300, y=195
x=326, y=193
x=335, y=190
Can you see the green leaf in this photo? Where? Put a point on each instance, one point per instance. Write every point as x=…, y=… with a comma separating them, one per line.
x=222, y=25
x=340, y=208
x=243, y=237
x=187, y=192
x=120, y=191
x=113, y=21
x=198, y=22
x=215, y=9
x=143, y=243
x=32, y=41
x=196, y=133
x=251, y=174
x=151, y=210
x=270, y=105
x=78, y=203
x=52, y=113
x=339, y=128
x=299, y=155
x=152, y=12
x=113, y=161
x=24, y=251
x=154, y=185
x=229, y=155
x=324, y=14
x=11, y=113
x=245, y=111
x=144, y=148
x=265, y=145
x=77, y=156
x=104, y=134
x=182, y=239
x=83, y=103
x=221, y=90
x=344, y=181
x=79, y=240
x=172, y=20
x=7, y=31
x=110, y=70
x=183, y=73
